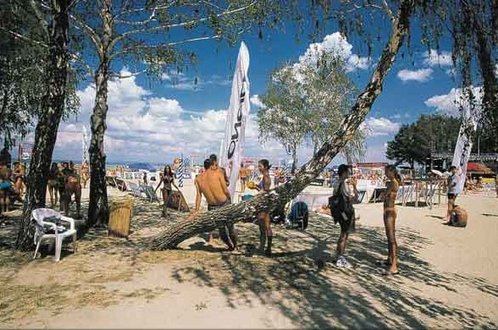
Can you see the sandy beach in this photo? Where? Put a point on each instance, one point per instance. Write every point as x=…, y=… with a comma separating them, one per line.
x=448, y=279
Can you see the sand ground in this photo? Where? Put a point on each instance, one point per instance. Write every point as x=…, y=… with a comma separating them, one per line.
x=449, y=277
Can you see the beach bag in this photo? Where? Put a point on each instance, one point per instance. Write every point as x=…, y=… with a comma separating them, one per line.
x=299, y=215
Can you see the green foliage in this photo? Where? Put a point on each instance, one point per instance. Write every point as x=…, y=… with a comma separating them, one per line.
x=23, y=71
x=156, y=34
x=20, y=73
x=472, y=25
x=430, y=133
x=307, y=101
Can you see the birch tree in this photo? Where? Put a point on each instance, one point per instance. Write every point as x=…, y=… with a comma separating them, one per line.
x=53, y=24
x=152, y=36
x=307, y=100
x=169, y=238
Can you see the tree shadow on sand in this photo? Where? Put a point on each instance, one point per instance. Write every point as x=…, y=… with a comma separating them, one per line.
x=303, y=284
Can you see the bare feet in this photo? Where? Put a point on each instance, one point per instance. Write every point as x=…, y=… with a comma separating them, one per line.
x=210, y=239
x=391, y=272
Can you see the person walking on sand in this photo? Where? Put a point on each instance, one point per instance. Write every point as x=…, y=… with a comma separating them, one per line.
x=390, y=219
x=453, y=181
x=344, y=192
x=168, y=180
x=243, y=175
x=264, y=221
x=212, y=185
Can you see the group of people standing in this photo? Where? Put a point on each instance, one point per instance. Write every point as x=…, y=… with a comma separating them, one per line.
x=213, y=184
x=346, y=193
x=64, y=181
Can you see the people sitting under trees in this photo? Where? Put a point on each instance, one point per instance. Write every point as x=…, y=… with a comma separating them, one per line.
x=5, y=157
x=18, y=177
x=8, y=193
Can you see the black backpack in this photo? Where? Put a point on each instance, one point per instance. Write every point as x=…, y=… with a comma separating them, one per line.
x=340, y=206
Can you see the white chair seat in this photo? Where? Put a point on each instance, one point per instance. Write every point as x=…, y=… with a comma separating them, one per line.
x=40, y=218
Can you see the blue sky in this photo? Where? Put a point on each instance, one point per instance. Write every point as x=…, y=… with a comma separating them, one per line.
x=155, y=121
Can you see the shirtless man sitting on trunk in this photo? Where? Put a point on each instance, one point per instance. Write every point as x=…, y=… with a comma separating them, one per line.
x=212, y=185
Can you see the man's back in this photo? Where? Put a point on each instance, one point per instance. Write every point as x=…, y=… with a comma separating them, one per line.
x=210, y=184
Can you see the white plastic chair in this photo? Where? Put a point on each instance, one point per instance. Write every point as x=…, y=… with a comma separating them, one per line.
x=39, y=216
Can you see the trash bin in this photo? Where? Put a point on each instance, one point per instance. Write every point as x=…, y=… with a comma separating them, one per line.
x=120, y=211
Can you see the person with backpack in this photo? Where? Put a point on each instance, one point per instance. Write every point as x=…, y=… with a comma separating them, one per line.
x=342, y=210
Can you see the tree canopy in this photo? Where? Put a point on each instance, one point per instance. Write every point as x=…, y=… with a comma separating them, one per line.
x=307, y=100
x=415, y=142
x=24, y=48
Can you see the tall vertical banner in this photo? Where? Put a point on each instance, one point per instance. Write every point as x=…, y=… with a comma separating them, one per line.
x=238, y=111
x=464, y=145
x=180, y=172
x=84, y=146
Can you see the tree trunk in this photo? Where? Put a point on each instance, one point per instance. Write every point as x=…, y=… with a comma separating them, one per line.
x=490, y=86
x=294, y=159
x=48, y=122
x=205, y=222
x=98, y=208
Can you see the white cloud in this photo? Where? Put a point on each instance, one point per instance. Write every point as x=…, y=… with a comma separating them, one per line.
x=337, y=44
x=142, y=126
x=421, y=75
x=255, y=100
x=433, y=58
x=380, y=126
x=376, y=152
x=450, y=103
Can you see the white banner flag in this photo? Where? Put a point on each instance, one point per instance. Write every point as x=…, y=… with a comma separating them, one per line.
x=464, y=146
x=238, y=111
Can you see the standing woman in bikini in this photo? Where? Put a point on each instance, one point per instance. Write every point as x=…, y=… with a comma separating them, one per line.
x=167, y=180
x=85, y=173
x=390, y=218
x=264, y=216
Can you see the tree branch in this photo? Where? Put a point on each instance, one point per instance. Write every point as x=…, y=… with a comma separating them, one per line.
x=169, y=26
x=91, y=34
x=78, y=59
x=133, y=74
x=18, y=35
x=138, y=10
x=39, y=16
x=185, y=41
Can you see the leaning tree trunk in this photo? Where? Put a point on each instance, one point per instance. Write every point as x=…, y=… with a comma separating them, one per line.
x=209, y=221
x=52, y=109
x=98, y=208
x=294, y=159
